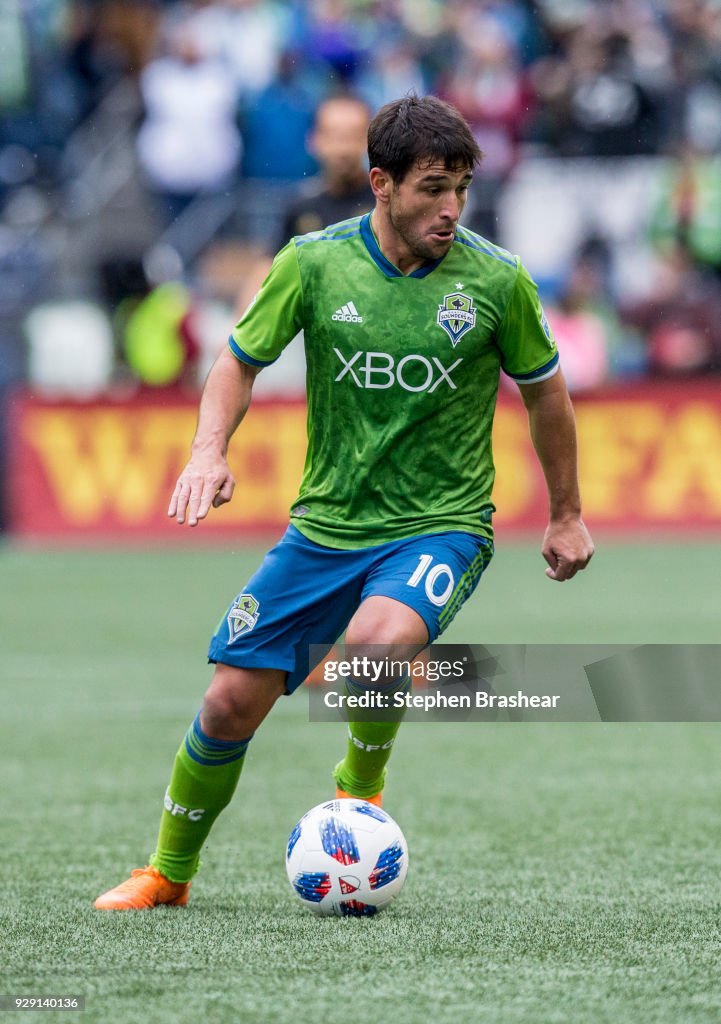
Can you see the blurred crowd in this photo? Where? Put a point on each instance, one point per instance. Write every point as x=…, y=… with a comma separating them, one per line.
x=576, y=77
x=233, y=92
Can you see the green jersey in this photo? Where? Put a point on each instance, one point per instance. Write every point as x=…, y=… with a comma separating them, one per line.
x=402, y=378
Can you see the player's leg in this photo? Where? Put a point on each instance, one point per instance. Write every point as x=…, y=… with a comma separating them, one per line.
x=301, y=594
x=209, y=762
x=205, y=775
x=385, y=628
x=430, y=577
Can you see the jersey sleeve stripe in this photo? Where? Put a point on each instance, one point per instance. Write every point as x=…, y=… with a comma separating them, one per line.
x=333, y=233
x=320, y=236
x=542, y=373
x=476, y=242
x=243, y=356
x=350, y=223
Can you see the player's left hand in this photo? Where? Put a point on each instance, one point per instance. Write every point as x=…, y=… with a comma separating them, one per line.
x=567, y=547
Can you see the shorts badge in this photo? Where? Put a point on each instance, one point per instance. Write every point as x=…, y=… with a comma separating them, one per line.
x=456, y=315
x=242, y=616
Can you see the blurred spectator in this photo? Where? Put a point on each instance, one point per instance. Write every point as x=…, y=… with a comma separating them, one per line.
x=394, y=71
x=593, y=100
x=189, y=143
x=688, y=211
x=558, y=78
x=277, y=122
x=335, y=37
x=159, y=341
x=58, y=61
x=584, y=321
x=680, y=318
x=488, y=86
x=125, y=30
x=249, y=36
x=338, y=142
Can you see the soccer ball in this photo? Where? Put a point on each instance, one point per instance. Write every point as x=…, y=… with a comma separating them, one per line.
x=348, y=858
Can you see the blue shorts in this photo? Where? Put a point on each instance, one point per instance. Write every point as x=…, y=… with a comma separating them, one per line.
x=305, y=594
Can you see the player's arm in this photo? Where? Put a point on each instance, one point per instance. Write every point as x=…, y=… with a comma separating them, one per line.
x=272, y=320
x=567, y=545
x=530, y=357
x=207, y=480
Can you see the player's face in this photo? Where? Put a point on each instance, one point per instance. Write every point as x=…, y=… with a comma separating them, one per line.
x=425, y=207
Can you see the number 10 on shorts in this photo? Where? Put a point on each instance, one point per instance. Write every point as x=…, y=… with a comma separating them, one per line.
x=434, y=579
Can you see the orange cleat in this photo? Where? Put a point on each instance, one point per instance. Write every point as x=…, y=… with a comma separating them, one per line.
x=146, y=888
x=340, y=794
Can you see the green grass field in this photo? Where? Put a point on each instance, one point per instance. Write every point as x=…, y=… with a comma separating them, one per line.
x=559, y=873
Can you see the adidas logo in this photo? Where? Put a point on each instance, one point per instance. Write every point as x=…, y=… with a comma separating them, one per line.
x=348, y=314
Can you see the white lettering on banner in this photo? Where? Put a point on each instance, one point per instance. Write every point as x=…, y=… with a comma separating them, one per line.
x=380, y=372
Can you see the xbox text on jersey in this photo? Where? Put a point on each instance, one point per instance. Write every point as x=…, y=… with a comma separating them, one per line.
x=379, y=371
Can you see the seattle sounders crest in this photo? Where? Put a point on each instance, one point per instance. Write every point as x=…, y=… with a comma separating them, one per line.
x=242, y=616
x=456, y=315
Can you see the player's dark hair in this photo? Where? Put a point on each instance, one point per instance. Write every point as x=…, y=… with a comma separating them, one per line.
x=420, y=128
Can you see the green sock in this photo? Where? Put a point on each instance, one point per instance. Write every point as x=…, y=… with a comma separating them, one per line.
x=362, y=771
x=205, y=774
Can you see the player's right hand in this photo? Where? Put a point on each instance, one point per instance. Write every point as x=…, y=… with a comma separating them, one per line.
x=567, y=547
x=205, y=481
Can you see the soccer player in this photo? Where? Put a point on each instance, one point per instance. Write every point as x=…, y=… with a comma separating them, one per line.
x=408, y=319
